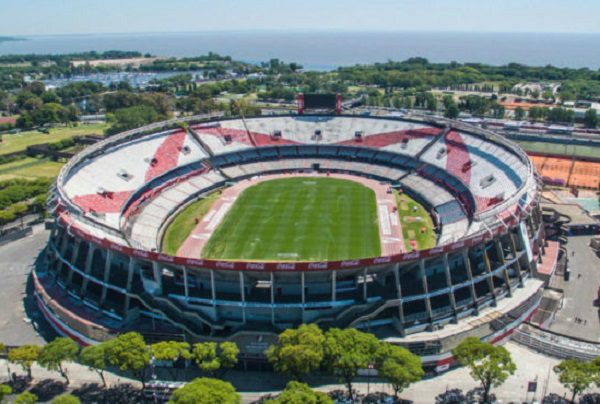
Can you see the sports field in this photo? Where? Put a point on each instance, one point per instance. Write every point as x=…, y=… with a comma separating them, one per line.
x=181, y=227
x=299, y=219
x=417, y=225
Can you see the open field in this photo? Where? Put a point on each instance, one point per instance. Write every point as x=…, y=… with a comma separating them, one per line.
x=20, y=141
x=181, y=227
x=29, y=168
x=301, y=218
x=417, y=225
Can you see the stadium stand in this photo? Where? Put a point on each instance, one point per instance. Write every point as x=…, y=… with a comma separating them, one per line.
x=488, y=170
x=105, y=182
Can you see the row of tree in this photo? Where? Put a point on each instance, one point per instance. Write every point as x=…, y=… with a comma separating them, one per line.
x=128, y=352
x=297, y=353
x=19, y=196
x=343, y=353
x=28, y=397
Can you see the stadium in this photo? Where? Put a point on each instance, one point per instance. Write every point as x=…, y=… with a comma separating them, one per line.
x=418, y=229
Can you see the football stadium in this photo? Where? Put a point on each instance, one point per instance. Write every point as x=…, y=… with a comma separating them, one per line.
x=418, y=229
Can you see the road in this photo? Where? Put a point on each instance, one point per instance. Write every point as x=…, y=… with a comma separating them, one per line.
x=18, y=312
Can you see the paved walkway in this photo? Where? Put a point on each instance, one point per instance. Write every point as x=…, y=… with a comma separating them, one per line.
x=390, y=230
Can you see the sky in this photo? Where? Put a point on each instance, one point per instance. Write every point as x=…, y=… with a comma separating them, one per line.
x=55, y=17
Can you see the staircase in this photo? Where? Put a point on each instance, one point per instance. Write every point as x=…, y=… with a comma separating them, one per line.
x=186, y=320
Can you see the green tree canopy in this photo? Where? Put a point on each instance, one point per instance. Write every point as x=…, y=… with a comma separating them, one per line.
x=347, y=351
x=228, y=354
x=56, y=352
x=206, y=391
x=591, y=118
x=450, y=107
x=490, y=365
x=575, y=375
x=596, y=364
x=205, y=356
x=300, y=393
x=26, y=398
x=25, y=356
x=210, y=356
x=95, y=358
x=398, y=366
x=4, y=391
x=170, y=350
x=299, y=351
x=66, y=399
x=133, y=117
x=129, y=353
x=519, y=113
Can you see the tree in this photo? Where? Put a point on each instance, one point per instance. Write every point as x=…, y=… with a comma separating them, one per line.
x=431, y=102
x=129, y=353
x=4, y=391
x=347, y=351
x=211, y=357
x=596, y=364
x=450, y=108
x=519, y=113
x=537, y=113
x=205, y=391
x=575, y=375
x=547, y=94
x=26, y=398
x=205, y=356
x=228, y=354
x=171, y=351
x=25, y=356
x=490, y=365
x=94, y=357
x=133, y=117
x=591, y=118
x=398, y=366
x=497, y=110
x=56, y=352
x=298, y=352
x=66, y=399
x=300, y=393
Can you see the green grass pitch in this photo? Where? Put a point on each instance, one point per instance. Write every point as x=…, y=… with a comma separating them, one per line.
x=299, y=219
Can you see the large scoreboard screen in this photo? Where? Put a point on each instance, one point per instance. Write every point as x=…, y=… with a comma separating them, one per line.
x=320, y=101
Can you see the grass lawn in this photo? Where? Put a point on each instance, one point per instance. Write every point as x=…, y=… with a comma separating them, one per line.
x=302, y=218
x=20, y=141
x=181, y=227
x=29, y=168
x=564, y=149
x=414, y=218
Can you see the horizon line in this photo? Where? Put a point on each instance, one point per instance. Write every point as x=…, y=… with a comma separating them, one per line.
x=301, y=31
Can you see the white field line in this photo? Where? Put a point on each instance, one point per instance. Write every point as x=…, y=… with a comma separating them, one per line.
x=384, y=220
x=217, y=217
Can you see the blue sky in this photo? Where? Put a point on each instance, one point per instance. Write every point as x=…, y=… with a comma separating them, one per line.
x=40, y=17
